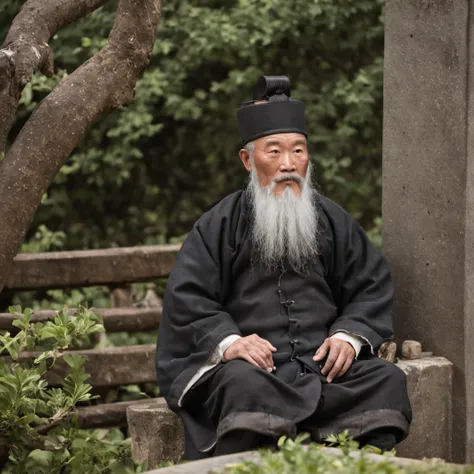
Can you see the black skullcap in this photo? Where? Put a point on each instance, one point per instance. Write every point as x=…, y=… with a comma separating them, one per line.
x=279, y=114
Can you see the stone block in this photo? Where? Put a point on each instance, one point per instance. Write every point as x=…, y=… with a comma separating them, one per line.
x=411, y=350
x=430, y=391
x=157, y=433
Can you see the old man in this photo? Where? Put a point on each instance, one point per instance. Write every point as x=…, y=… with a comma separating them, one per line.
x=277, y=305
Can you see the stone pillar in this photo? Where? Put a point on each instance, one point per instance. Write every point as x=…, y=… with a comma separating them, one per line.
x=428, y=187
x=157, y=433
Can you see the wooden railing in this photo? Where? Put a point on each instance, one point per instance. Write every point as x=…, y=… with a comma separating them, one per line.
x=117, y=269
x=82, y=268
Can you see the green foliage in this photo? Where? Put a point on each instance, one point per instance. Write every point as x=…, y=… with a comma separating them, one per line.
x=35, y=418
x=297, y=458
x=79, y=452
x=96, y=297
x=44, y=240
x=148, y=171
x=27, y=403
x=53, y=336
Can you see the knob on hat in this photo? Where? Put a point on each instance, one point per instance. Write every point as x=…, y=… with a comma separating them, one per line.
x=268, y=86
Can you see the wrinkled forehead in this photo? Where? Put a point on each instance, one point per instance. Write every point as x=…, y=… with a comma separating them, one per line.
x=284, y=139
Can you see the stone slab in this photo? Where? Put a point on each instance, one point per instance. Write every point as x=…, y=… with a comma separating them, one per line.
x=206, y=465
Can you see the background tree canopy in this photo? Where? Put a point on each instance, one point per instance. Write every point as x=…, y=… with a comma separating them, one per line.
x=144, y=174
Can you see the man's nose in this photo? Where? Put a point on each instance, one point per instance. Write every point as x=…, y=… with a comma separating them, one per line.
x=287, y=162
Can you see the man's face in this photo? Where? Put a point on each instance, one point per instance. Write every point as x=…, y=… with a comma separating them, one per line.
x=277, y=155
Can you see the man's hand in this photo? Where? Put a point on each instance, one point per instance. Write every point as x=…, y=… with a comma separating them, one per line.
x=253, y=349
x=341, y=355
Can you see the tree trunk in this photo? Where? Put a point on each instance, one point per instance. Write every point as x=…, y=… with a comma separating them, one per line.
x=26, y=50
x=100, y=85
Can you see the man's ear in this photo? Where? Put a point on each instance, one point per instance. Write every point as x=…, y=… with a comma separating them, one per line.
x=245, y=157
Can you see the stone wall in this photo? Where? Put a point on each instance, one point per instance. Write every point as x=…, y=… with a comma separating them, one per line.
x=428, y=187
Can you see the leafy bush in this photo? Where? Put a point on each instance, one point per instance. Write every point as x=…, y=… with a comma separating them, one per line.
x=37, y=422
x=294, y=457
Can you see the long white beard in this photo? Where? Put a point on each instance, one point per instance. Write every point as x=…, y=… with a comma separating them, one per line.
x=285, y=227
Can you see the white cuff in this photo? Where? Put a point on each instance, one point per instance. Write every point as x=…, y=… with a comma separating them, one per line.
x=216, y=358
x=218, y=354
x=355, y=341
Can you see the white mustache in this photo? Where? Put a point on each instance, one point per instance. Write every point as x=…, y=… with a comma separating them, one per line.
x=286, y=177
x=289, y=176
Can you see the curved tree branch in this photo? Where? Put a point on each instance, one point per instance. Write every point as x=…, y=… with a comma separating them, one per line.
x=26, y=50
x=55, y=128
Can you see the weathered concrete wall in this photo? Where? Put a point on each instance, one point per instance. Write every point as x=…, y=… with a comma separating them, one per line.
x=428, y=192
x=157, y=434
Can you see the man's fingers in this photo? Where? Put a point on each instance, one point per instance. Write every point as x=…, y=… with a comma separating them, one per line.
x=259, y=356
x=261, y=353
x=332, y=357
x=248, y=358
x=266, y=343
x=268, y=352
x=322, y=351
x=272, y=348
x=340, y=361
x=267, y=356
x=264, y=347
x=253, y=349
x=345, y=367
x=258, y=347
x=269, y=360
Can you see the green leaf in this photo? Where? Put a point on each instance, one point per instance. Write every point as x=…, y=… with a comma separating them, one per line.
x=40, y=360
x=48, y=331
x=75, y=361
x=15, y=309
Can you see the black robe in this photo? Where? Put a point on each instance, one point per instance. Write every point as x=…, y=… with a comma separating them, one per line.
x=214, y=291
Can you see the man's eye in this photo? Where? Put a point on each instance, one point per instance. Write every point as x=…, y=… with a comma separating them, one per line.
x=274, y=152
x=299, y=150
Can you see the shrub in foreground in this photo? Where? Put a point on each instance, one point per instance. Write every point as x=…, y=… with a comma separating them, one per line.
x=294, y=457
x=38, y=430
